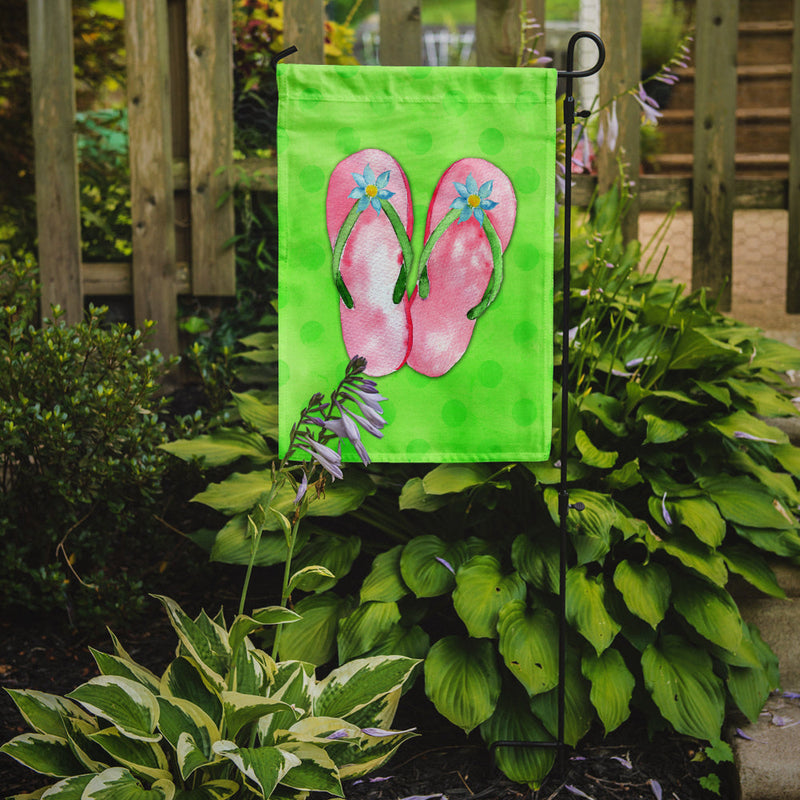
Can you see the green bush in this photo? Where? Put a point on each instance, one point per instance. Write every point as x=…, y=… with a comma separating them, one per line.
x=80, y=470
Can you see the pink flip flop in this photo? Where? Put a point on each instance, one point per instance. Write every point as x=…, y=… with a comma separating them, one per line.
x=370, y=219
x=470, y=221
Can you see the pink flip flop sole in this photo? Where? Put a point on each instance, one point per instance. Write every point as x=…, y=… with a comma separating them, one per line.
x=460, y=264
x=375, y=327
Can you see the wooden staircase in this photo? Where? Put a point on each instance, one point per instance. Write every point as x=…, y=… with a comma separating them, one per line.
x=762, y=103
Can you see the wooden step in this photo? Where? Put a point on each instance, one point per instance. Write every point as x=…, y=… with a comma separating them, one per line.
x=754, y=10
x=765, y=42
x=767, y=165
x=758, y=130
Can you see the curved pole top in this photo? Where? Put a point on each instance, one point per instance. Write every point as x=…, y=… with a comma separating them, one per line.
x=570, y=72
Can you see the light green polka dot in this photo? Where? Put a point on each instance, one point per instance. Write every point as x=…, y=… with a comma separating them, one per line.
x=491, y=141
x=455, y=102
x=420, y=141
x=527, y=180
x=454, y=413
x=389, y=411
x=525, y=102
x=489, y=73
x=314, y=256
x=284, y=297
x=524, y=333
x=283, y=372
x=311, y=332
x=311, y=96
x=417, y=447
x=524, y=412
x=419, y=73
x=490, y=373
x=348, y=140
x=527, y=257
x=312, y=178
x=346, y=70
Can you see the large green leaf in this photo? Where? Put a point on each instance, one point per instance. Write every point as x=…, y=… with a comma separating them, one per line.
x=529, y=645
x=692, y=553
x=335, y=553
x=586, y=608
x=589, y=527
x=117, y=783
x=313, y=638
x=413, y=496
x=365, y=627
x=223, y=446
x=537, y=560
x=746, y=561
x=144, y=759
x=44, y=712
x=663, y=431
x=625, y=477
x=126, y=704
x=212, y=790
x=612, y=686
x=481, y=591
x=608, y=410
x=646, y=589
x=709, y=609
x=767, y=401
x=591, y=455
x=745, y=502
x=683, y=685
x=264, y=766
x=462, y=680
x=781, y=542
x=316, y=771
x=400, y=640
x=428, y=565
x=448, y=478
x=696, y=349
x=512, y=721
x=261, y=416
x=788, y=456
x=234, y=544
x=44, y=753
x=741, y=425
x=701, y=517
x=385, y=582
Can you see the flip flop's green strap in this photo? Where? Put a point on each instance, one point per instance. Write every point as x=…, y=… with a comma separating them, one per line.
x=338, y=249
x=496, y=279
x=444, y=224
x=405, y=247
x=341, y=241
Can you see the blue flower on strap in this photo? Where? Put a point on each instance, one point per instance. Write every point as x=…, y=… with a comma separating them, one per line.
x=472, y=199
x=369, y=190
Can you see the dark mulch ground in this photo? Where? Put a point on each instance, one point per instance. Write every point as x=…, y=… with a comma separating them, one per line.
x=45, y=655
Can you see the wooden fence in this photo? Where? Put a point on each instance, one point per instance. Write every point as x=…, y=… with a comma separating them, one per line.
x=181, y=134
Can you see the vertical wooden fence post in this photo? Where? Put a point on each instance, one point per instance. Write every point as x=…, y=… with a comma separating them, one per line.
x=793, y=267
x=152, y=201
x=621, y=28
x=714, y=146
x=210, y=53
x=401, y=33
x=498, y=29
x=56, y=164
x=304, y=27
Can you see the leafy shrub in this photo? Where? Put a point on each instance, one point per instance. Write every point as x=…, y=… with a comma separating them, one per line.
x=683, y=484
x=222, y=717
x=79, y=431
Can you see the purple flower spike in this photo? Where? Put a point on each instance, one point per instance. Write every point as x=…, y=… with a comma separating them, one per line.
x=301, y=489
x=577, y=792
x=664, y=512
x=446, y=564
x=342, y=733
x=624, y=761
x=655, y=787
x=742, y=735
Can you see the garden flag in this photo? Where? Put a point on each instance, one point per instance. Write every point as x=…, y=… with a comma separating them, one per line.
x=416, y=219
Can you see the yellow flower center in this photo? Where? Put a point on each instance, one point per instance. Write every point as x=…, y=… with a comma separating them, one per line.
x=371, y=190
x=473, y=201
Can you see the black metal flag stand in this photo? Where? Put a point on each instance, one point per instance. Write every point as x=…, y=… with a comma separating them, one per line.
x=564, y=506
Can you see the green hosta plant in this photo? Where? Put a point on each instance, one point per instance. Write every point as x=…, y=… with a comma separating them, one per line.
x=224, y=720
x=684, y=483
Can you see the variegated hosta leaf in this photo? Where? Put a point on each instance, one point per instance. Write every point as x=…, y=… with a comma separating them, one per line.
x=125, y=668
x=513, y=721
x=373, y=753
x=462, y=680
x=183, y=679
x=481, y=591
x=44, y=753
x=68, y=789
x=323, y=731
x=244, y=625
x=45, y=712
x=313, y=638
x=578, y=710
x=586, y=608
x=364, y=628
x=294, y=685
x=180, y=717
x=646, y=589
x=145, y=759
x=212, y=790
x=710, y=610
x=252, y=670
x=242, y=709
x=117, y=783
x=612, y=686
x=126, y=704
x=78, y=733
x=385, y=581
x=529, y=645
x=358, y=683
x=316, y=771
x=683, y=685
x=428, y=565
x=204, y=640
x=262, y=766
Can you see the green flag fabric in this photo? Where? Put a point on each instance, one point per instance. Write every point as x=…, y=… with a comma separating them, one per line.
x=416, y=225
